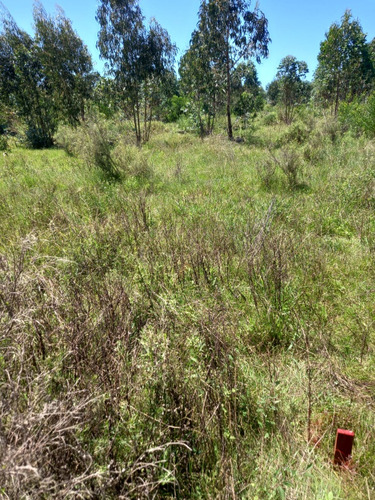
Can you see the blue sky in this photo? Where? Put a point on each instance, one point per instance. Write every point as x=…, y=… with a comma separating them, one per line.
x=296, y=26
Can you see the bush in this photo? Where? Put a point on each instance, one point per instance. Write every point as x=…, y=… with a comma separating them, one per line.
x=99, y=151
x=297, y=133
x=3, y=143
x=131, y=160
x=359, y=116
x=270, y=118
x=93, y=141
x=38, y=138
x=99, y=143
x=266, y=171
x=332, y=129
x=175, y=108
x=314, y=150
x=288, y=161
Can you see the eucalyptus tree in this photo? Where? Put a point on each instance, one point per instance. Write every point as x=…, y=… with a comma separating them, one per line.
x=201, y=84
x=273, y=92
x=290, y=75
x=104, y=97
x=345, y=69
x=66, y=63
x=23, y=84
x=248, y=94
x=139, y=58
x=371, y=48
x=231, y=33
x=43, y=78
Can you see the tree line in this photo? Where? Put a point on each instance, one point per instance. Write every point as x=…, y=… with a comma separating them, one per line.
x=48, y=78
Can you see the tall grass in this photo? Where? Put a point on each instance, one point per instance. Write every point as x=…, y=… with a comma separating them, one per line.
x=195, y=332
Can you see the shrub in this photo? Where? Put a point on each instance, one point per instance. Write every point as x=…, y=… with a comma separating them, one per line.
x=289, y=162
x=69, y=139
x=99, y=143
x=297, y=133
x=332, y=129
x=38, y=138
x=314, y=150
x=175, y=108
x=99, y=151
x=270, y=118
x=3, y=143
x=266, y=171
x=359, y=116
x=93, y=141
x=132, y=160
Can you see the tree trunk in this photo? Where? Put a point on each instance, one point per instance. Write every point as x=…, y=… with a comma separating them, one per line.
x=138, y=120
x=136, y=124
x=337, y=96
x=83, y=110
x=229, y=118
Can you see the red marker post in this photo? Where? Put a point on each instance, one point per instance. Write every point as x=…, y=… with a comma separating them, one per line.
x=343, y=447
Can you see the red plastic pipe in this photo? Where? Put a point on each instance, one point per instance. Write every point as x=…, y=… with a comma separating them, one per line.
x=343, y=446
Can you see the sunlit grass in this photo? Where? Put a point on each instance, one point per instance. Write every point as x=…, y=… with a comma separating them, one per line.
x=196, y=299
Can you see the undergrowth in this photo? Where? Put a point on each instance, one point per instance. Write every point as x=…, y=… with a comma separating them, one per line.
x=197, y=329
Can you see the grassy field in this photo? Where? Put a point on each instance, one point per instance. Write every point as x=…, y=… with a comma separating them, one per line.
x=197, y=326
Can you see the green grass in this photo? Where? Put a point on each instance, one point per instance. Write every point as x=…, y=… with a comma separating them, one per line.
x=158, y=332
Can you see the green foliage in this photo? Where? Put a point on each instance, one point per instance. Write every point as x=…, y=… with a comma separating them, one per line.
x=106, y=147
x=139, y=58
x=23, y=85
x=359, y=116
x=248, y=95
x=176, y=106
x=288, y=161
x=200, y=84
x=291, y=87
x=42, y=89
x=104, y=97
x=273, y=92
x=371, y=49
x=155, y=332
x=228, y=32
x=248, y=104
x=92, y=142
x=69, y=72
x=190, y=319
x=270, y=118
x=345, y=68
x=3, y=143
x=298, y=133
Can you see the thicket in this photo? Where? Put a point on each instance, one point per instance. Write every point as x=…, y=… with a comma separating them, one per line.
x=359, y=115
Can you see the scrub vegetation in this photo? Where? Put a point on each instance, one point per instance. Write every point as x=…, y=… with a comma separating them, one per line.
x=187, y=316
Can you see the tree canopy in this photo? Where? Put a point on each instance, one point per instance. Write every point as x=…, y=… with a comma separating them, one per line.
x=230, y=33
x=201, y=83
x=345, y=68
x=138, y=57
x=290, y=75
x=45, y=78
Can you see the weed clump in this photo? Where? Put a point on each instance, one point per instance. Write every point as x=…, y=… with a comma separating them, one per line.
x=288, y=161
x=296, y=133
x=103, y=147
x=358, y=116
x=270, y=118
x=4, y=145
x=93, y=142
